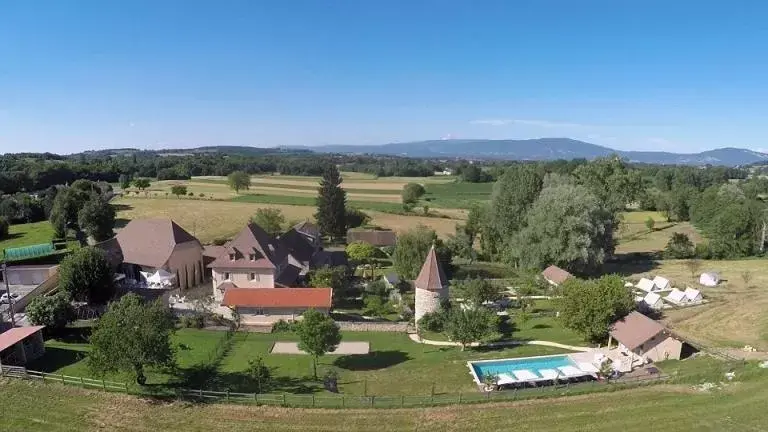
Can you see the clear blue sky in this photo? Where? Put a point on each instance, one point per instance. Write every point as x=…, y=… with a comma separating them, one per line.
x=676, y=75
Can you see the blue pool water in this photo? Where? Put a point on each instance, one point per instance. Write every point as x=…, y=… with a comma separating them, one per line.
x=532, y=364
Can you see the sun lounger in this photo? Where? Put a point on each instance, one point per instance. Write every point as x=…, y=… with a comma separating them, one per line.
x=571, y=372
x=525, y=375
x=549, y=374
x=506, y=379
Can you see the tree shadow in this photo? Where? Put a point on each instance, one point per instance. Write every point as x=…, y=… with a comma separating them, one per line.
x=121, y=222
x=371, y=361
x=632, y=263
x=56, y=358
x=73, y=335
x=541, y=326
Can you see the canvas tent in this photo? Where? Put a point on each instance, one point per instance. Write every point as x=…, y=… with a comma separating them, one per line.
x=646, y=285
x=676, y=297
x=661, y=283
x=693, y=295
x=161, y=278
x=653, y=301
x=709, y=279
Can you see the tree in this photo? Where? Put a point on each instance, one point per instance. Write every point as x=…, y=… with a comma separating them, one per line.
x=97, y=218
x=331, y=204
x=131, y=336
x=178, y=190
x=270, y=219
x=567, y=226
x=460, y=244
x=125, y=181
x=478, y=291
x=470, y=325
x=239, y=180
x=87, y=276
x=679, y=246
x=330, y=277
x=141, y=183
x=356, y=218
x=318, y=334
x=735, y=231
x=650, y=223
x=589, y=307
x=4, y=227
x=513, y=194
x=54, y=312
x=259, y=373
x=412, y=248
x=693, y=266
x=376, y=306
x=65, y=209
x=611, y=181
x=361, y=252
x=412, y=192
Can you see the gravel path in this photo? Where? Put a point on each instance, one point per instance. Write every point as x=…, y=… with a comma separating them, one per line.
x=344, y=348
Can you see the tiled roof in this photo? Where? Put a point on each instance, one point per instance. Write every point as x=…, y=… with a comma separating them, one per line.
x=635, y=329
x=278, y=297
x=431, y=277
x=17, y=334
x=307, y=228
x=555, y=274
x=374, y=237
x=297, y=245
x=252, y=240
x=148, y=242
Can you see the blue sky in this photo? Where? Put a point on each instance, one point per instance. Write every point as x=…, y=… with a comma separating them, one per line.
x=648, y=75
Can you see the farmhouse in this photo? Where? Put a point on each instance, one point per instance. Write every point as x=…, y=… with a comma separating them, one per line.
x=265, y=306
x=148, y=245
x=378, y=238
x=19, y=345
x=555, y=275
x=642, y=340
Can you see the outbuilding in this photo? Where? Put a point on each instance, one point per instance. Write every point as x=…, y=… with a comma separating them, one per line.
x=19, y=345
x=265, y=306
x=644, y=339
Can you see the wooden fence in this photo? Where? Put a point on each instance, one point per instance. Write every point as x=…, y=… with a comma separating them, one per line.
x=342, y=401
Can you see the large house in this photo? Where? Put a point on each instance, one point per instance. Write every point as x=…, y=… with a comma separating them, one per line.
x=642, y=339
x=145, y=246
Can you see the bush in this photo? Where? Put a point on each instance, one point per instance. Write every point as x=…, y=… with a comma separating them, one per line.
x=679, y=247
x=434, y=322
x=54, y=312
x=702, y=251
x=193, y=321
x=356, y=218
x=283, y=326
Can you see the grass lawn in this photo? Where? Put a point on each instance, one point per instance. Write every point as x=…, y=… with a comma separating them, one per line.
x=674, y=408
x=27, y=234
x=458, y=195
x=634, y=237
x=395, y=366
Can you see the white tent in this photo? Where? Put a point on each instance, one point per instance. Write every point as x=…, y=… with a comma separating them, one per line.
x=653, y=301
x=161, y=278
x=693, y=295
x=661, y=283
x=709, y=279
x=676, y=297
x=646, y=285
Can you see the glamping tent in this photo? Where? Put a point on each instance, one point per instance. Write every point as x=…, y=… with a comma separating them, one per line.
x=662, y=283
x=693, y=295
x=653, y=301
x=646, y=285
x=709, y=279
x=676, y=297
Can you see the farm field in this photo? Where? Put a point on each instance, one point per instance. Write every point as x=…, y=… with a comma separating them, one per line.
x=27, y=234
x=209, y=219
x=737, y=314
x=395, y=366
x=52, y=407
x=634, y=237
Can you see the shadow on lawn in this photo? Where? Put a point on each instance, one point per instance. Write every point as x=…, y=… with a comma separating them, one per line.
x=372, y=361
x=632, y=263
x=55, y=359
x=208, y=377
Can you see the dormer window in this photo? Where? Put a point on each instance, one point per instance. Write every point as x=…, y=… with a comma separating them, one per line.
x=252, y=257
x=231, y=256
x=253, y=276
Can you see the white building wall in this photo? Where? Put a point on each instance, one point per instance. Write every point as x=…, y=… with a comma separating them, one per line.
x=262, y=278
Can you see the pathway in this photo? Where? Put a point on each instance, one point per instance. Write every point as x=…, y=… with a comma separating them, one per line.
x=415, y=337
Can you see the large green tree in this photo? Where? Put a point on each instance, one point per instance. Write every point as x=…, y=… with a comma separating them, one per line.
x=66, y=206
x=318, y=335
x=412, y=192
x=97, y=218
x=239, y=180
x=331, y=204
x=132, y=336
x=361, y=253
x=470, y=325
x=54, y=311
x=679, y=246
x=87, y=276
x=179, y=190
x=331, y=277
x=590, y=306
x=611, y=180
x=512, y=196
x=270, y=219
x=477, y=291
x=567, y=226
x=412, y=248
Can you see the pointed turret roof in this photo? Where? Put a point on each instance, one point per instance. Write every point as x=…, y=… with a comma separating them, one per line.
x=431, y=277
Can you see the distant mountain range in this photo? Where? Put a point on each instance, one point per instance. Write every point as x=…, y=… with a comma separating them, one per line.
x=544, y=149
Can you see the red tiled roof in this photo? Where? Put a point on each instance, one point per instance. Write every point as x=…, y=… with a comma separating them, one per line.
x=431, y=277
x=16, y=335
x=278, y=297
x=555, y=274
x=635, y=329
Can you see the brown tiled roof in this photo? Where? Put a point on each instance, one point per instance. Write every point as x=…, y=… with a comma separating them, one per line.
x=307, y=228
x=374, y=237
x=555, y=274
x=278, y=297
x=252, y=240
x=224, y=286
x=431, y=277
x=150, y=242
x=297, y=245
x=635, y=329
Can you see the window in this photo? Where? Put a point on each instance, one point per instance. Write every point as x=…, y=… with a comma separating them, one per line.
x=253, y=276
x=226, y=275
x=232, y=257
x=252, y=257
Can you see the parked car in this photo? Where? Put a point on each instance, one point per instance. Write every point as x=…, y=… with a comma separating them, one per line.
x=4, y=298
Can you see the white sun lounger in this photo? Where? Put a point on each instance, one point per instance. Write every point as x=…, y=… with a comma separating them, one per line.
x=588, y=367
x=571, y=372
x=549, y=374
x=525, y=375
x=506, y=379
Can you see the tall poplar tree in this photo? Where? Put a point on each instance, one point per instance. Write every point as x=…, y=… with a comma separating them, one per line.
x=331, y=204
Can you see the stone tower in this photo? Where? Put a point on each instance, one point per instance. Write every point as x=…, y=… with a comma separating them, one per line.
x=431, y=286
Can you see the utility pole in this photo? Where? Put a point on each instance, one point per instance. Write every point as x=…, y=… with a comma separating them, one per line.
x=8, y=294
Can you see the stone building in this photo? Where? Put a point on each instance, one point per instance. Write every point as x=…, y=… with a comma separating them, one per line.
x=431, y=286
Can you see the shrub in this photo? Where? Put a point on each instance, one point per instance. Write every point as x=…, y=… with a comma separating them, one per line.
x=54, y=312
x=679, y=247
x=434, y=321
x=193, y=321
x=703, y=251
x=282, y=326
x=220, y=241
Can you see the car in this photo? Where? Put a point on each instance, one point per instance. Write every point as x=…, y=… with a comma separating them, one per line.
x=4, y=298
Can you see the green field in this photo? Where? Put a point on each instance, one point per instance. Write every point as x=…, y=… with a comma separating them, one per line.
x=738, y=406
x=395, y=366
x=27, y=234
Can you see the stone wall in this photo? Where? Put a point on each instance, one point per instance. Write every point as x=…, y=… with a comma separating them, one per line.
x=399, y=327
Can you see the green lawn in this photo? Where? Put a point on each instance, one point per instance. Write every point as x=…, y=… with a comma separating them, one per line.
x=27, y=234
x=458, y=194
x=395, y=366
x=673, y=408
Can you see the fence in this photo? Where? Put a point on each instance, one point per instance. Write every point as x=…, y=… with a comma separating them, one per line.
x=346, y=401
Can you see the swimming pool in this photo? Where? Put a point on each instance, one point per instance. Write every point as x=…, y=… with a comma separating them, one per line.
x=509, y=366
